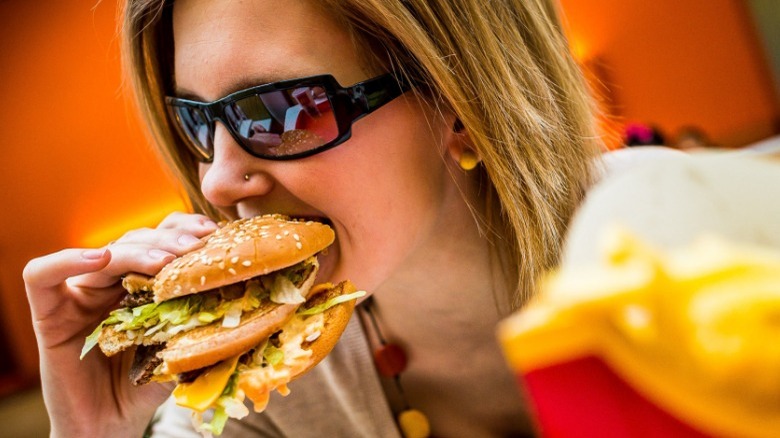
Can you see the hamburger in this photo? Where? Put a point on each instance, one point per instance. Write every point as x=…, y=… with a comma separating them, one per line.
x=239, y=317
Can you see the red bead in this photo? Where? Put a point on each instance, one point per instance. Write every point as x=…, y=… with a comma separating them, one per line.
x=390, y=360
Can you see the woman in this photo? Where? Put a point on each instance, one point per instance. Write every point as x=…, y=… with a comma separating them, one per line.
x=447, y=200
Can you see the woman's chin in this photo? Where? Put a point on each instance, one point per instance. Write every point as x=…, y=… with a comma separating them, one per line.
x=334, y=268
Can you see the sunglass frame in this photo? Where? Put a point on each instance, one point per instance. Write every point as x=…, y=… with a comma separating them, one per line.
x=349, y=105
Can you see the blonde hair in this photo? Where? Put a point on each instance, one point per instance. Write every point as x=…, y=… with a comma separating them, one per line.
x=502, y=67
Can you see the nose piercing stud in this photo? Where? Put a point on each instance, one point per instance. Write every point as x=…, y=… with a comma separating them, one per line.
x=246, y=177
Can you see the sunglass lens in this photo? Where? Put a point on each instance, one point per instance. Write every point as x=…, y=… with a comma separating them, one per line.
x=285, y=122
x=196, y=127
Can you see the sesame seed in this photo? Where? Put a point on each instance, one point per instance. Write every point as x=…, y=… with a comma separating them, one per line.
x=247, y=263
x=278, y=237
x=221, y=265
x=296, y=237
x=202, y=280
x=298, y=245
x=232, y=271
x=234, y=260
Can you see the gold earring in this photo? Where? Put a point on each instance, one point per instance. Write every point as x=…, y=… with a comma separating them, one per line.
x=468, y=159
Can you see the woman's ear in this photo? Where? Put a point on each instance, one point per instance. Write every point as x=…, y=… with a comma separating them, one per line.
x=460, y=148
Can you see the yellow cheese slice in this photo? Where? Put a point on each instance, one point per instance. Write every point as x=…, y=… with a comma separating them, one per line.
x=201, y=393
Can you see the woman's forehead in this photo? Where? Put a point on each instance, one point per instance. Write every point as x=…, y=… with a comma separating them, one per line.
x=219, y=45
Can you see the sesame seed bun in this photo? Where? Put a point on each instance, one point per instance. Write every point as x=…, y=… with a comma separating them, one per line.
x=241, y=250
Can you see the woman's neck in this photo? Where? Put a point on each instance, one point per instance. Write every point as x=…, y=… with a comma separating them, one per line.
x=441, y=308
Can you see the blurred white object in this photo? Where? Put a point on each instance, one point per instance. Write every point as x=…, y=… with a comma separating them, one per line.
x=671, y=199
x=769, y=146
x=620, y=160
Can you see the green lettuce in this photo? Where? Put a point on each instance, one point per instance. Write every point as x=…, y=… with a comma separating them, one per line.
x=273, y=356
x=93, y=338
x=228, y=405
x=197, y=309
x=330, y=303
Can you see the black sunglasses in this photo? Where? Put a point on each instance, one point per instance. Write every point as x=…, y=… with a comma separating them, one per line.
x=283, y=120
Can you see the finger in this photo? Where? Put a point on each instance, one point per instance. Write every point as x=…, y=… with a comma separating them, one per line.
x=45, y=277
x=192, y=223
x=52, y=270
x=174, y=241
x=130, y=257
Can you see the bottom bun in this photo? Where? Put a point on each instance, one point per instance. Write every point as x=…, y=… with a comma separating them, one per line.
x=305, y=341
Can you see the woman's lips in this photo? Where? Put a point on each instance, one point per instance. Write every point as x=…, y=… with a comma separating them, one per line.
x=328, y=260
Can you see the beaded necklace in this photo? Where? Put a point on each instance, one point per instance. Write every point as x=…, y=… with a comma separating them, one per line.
x=390, y=361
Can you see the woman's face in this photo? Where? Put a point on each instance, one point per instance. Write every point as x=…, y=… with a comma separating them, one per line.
x=382, y=190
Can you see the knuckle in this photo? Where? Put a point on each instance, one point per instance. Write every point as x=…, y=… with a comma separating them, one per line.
x=31, y=270
x=174, y=215
x=173, y=218
x=37, y=269
x=134, y=234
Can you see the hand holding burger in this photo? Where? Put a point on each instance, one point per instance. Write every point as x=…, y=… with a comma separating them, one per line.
x=238, y=317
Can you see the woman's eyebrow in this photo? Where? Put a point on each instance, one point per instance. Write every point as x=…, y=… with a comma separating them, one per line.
x=183, y=93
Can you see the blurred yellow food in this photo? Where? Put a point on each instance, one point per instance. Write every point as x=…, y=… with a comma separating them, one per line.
x=696, y=330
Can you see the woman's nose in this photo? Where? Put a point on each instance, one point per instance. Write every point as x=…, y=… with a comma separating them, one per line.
x=233, y=175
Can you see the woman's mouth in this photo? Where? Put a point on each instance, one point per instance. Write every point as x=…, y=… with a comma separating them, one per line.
x=329, y=257
x=328, y=260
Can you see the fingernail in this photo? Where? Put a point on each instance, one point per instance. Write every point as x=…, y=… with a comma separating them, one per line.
x=94, y=254
x=210, y=224
x=188, y=240
x=159, y=254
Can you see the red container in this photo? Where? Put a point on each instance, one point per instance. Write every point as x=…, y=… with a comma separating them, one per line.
x=585, y=398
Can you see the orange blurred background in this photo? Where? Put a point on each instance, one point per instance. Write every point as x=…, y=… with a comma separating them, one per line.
x=77, y=169
x=76, y=166
x=675, y=64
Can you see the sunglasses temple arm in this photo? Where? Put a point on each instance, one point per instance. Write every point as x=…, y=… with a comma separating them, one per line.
x=374, y=93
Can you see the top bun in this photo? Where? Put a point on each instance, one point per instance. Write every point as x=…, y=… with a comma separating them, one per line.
x=240, y=250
